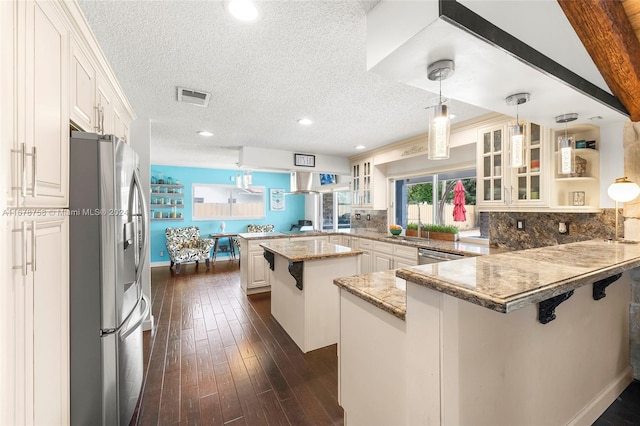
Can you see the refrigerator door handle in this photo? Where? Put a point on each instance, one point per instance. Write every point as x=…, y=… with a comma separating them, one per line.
x=145, y=221
x=147, y=306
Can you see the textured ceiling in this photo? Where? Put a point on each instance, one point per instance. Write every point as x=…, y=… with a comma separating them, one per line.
x=301, y=59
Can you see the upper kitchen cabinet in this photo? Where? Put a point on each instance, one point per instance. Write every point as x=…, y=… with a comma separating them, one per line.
x=40, y=143
x=367, y=184
x=94, y=105
x=501, y=186
x=82, y=86
x=53, y=73
x=579, y=188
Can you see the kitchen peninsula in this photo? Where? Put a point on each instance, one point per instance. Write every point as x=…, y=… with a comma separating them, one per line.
x=303, y=298
x=537, y=336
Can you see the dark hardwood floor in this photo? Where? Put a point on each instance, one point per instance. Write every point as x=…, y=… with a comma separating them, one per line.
x=625, y=410
x=218, y=357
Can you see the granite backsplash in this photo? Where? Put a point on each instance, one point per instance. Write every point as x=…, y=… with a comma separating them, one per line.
x=371, y=220
x=541, y=229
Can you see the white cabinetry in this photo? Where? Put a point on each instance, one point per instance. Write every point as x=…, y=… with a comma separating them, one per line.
x=39, y=137
x=40, y=349
x=366, y=259
x=501, y=186
x=82, y=86
x=368, y=187
x=580, y=190
x=382, y=256
x=254, y=269
x=404, y=257
x=94, y=107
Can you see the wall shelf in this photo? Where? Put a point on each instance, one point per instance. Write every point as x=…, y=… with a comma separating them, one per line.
x=180, y=206
x=166, y=218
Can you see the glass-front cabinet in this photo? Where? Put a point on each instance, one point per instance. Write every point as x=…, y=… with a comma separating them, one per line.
x=491, y=143
x=368, y=184
x=502, y=186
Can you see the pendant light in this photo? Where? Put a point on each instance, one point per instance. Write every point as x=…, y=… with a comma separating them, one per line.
x=439, y=122
x=565, y=145
x=244, y=179
x=517, y=146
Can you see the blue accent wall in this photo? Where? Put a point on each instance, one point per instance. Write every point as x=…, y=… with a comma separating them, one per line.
x=294, y=211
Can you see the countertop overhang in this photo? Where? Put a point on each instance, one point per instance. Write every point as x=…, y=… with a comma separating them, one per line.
x=300, y=251
x=509, y=281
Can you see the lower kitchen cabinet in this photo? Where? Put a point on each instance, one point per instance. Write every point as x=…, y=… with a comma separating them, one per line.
x=254, y=270
x=393, y=256
x=38, y=364
x=404, y=257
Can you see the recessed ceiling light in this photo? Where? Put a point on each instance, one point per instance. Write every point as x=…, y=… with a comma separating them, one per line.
x=205, y=133
x=360, y=147
x=305, y=121
x=244, y=10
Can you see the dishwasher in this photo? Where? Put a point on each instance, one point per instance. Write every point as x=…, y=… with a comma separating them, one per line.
x=427, y=256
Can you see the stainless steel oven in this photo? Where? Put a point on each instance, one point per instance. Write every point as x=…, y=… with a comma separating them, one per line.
x=427, y=256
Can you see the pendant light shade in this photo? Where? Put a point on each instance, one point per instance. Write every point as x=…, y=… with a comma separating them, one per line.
x=439, y=130
x=565, y=146
x=439, y=121
x=517, y=138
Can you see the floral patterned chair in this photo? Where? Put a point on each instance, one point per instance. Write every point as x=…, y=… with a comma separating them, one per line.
x=185, y=245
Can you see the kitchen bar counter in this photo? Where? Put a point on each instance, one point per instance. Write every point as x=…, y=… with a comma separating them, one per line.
x=299, y=251
x=449, y=361
x=303, y=298
x=457, y=247
x=382, y=289
x=509, y=281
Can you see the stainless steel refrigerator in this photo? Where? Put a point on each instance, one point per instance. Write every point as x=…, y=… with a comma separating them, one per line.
x=108, y=244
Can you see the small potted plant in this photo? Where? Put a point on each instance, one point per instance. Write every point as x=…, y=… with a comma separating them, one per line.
x=412, y=230
x=442, y=232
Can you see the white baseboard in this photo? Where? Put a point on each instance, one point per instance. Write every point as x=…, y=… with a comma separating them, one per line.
x=590, y=413
x=148, y=324
x=157, y=264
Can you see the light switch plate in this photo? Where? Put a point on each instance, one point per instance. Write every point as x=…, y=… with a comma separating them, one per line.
x=520, y=224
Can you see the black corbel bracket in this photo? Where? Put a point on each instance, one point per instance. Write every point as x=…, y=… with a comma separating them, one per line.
x=547, y=308
x=600, y=286
x=270, y=258
x=295, y=269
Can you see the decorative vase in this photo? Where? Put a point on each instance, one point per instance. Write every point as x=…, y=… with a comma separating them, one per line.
x=222, y=226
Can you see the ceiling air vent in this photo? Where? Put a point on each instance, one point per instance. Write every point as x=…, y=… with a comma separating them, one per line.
x=194, y=97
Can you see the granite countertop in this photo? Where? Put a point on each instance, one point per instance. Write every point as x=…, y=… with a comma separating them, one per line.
x=458, y=247
x=509, y=281
x=299, y=251
x=382, y=289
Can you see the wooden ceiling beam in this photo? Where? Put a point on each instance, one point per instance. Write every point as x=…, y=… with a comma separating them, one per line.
x=607, y=34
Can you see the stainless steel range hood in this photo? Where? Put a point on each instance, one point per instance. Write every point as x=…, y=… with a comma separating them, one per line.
x=302, y=183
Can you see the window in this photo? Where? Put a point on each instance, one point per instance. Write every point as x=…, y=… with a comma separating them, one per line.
x=336, y=210
x=429, y=199
x=215, y=202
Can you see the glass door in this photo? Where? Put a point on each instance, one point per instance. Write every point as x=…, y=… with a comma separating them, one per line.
x=492, y=172
x=529, y=177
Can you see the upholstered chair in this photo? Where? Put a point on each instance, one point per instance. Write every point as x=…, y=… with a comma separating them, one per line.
x=185, y=245
x=260, y=228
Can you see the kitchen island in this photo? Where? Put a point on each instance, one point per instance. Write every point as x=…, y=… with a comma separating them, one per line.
x=533, y=337
x=303, y=298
